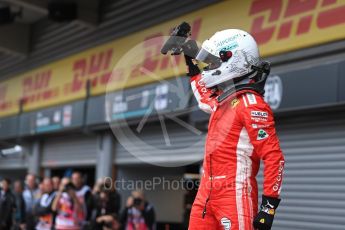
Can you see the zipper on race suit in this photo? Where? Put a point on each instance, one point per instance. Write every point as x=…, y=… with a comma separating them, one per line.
x=204, y=211
x=209, y=194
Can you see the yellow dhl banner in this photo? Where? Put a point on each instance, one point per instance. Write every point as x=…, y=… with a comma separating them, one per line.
x=278, y=26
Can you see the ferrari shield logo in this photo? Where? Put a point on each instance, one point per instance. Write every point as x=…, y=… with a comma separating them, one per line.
x=234, y=103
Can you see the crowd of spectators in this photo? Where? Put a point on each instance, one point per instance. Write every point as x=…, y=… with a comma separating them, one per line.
x=69, y=204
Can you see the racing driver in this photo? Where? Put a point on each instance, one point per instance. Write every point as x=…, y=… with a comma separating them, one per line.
x=241, y=133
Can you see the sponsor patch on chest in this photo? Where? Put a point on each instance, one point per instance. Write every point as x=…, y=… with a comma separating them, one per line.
x=259, y=126
x=261, y=135
x=259, y=114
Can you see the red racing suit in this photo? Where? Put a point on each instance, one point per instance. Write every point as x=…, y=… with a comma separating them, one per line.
x=241, y=132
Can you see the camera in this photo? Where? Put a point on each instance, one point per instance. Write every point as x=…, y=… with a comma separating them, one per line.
x=137, y=202
x=69, y=187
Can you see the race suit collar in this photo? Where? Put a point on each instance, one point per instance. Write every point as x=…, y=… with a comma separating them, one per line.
x=236, y=94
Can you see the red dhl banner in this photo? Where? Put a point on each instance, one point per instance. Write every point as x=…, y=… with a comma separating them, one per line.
x=279, y=26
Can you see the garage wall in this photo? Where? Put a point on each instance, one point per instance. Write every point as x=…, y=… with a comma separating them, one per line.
x=180, y=146
x=67, y=151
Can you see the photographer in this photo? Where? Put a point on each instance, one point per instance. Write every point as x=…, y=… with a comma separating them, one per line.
x=43, y=208
x=138, y=214
x=106, y=210
x=70, y=213
x=84, y=194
